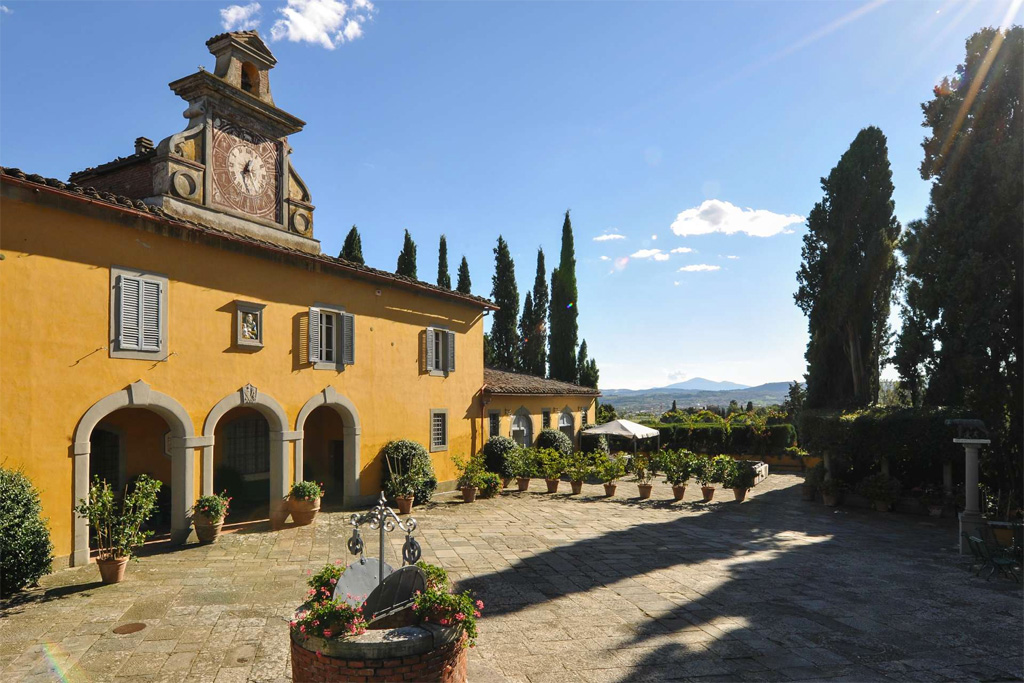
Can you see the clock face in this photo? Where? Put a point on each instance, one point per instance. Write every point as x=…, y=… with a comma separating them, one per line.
x=245, y=170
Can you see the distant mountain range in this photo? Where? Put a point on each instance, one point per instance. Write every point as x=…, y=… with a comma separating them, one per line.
x=692, y=392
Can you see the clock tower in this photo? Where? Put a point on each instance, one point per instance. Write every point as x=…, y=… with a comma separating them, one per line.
x=230, y=167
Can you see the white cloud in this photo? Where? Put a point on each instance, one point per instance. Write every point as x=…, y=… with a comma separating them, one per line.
x=715, y=215
x=4, y=9
x=730, y=256
x=240, y=17
x=609, y=236
x=698, y=268
x=605, y=258
x=676, y=283
x=656, y=254
x=654, y=237
x=328, y=23
x=682, y=250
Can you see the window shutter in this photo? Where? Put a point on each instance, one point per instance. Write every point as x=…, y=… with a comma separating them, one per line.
x=128, y=336
x=150, y=336
x=348, y=326
x=451, y=352
x=430, y=349
x=313, y=336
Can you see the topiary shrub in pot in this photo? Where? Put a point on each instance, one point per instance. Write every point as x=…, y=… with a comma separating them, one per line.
x=704, y=474
x=881, y=489
x=25, y=547
x=552, y=464
x=678, y=468
x=470, y=473
x=499, y=452
x=208, y=516
x=609, y=469
x=580, y=467
x=642, y=470
x=490, y=484
x=554, y=439
x=304, y=501
x=740, y=479
x=411, y=459
x=117, y=529
x=524, y=464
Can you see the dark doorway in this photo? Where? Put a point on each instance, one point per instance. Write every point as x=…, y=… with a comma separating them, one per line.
x=241, y=460
x=323, y=452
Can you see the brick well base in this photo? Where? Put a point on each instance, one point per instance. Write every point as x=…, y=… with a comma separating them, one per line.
x=446, y=664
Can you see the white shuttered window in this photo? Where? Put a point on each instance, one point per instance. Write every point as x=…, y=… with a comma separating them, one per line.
x=440, y=351
x=332, y=338
x=139, y=314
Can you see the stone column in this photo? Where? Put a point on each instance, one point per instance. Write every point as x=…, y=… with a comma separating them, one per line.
x=279, y=481
x=970, y=519
x=80, y=487
x=182, y=489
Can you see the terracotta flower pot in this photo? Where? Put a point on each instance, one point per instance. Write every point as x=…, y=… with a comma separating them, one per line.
x=830, y=499
x=709, y=493
x=645, y=490
x=880, y=505
x=678, y=492
x=808, y=492
x=523, y=482
x=112, y=571
x=207, y=528
x=505, y=481
x=609, y=490
x=469, y=493
x=304, y=511
x=577, y=486
x=552, y=485
x=740, y=494
x=405, y=504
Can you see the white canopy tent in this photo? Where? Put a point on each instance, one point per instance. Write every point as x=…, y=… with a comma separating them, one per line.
x=625, y=429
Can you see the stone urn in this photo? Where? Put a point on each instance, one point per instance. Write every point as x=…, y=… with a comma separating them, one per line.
x=427, y=652
x=678, y=492
x=469, y=493
x=552, y=485
x=609, y=490
x=207, y=528
x=304, y=511
x=112, y=569
x=405, y=504
x=577, y=487
x=741, y=494
x=645, y=490
x=523, y=482
x=708, y=492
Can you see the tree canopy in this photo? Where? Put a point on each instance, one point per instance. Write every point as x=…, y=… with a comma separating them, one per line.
x=443, y=278
x=407, y=258
x=533, y=327
x=846, y=279
x=504, y=337
x=352, y=250
x=588, y=372
x=464, y=284
x=563, y=319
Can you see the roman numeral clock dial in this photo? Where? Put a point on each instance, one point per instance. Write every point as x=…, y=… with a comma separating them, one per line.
x=245, y=170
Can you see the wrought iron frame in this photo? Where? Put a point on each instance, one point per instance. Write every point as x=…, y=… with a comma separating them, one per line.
x=383, y=518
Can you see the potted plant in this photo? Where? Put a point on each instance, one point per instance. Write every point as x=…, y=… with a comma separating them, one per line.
x=640, y=465
x=678, y=468
x=552, y=466
x=812, y=481
x=469, y=477
x=704, y=473
x=831, y=489
x=401, y=485
x=490, y=484
x=580, y=467
x=741, y=478
x=208, y=516
x=499, y=456
x=304, y=501
x=523, y=466
x=609, y=469
x=881, y=489
x=118, y=528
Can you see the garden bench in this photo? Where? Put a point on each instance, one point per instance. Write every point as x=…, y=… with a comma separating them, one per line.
x=994, y=558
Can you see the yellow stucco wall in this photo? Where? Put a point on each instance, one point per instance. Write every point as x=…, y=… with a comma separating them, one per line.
x=54, y=335
x=508, y=405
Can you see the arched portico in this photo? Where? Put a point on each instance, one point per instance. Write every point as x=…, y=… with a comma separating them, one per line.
x=330, y=398
x=182, y=449
x=251, y=397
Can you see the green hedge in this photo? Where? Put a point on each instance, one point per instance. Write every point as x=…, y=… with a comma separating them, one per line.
x=915, y=441
x=715, y=439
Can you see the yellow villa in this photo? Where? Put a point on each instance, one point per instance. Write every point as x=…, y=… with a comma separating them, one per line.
x=171, y=313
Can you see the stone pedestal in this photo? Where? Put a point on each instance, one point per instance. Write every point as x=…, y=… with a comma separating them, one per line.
x=971, y=519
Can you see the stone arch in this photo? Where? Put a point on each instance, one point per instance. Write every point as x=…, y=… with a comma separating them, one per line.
x=330, y=398
x=182, y=445
x=251, y=397
x=522, y=419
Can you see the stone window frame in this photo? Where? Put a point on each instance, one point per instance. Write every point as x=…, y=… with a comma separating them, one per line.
x=159, y=354
x=447, y=339
x=435, y=448
x=241, y=308
x=491, y=414
x=339, y=312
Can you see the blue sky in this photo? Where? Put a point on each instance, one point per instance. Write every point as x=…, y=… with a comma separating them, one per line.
x=656, y=121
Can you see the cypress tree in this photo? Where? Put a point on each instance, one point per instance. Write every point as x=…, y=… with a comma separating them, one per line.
x=564, y=327
x=407, y=259
x=504, y=338
x=527, y=323
x=535, y=352
x=588, y=372
x=353, y=247
x=464, y=285
x=443, y=279
x=848, y=271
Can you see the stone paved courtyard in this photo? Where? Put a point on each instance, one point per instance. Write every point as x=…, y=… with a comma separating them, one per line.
x=577, y=589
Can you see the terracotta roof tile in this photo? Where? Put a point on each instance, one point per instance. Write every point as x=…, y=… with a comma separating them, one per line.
x=140, y=207
x=502, y=382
